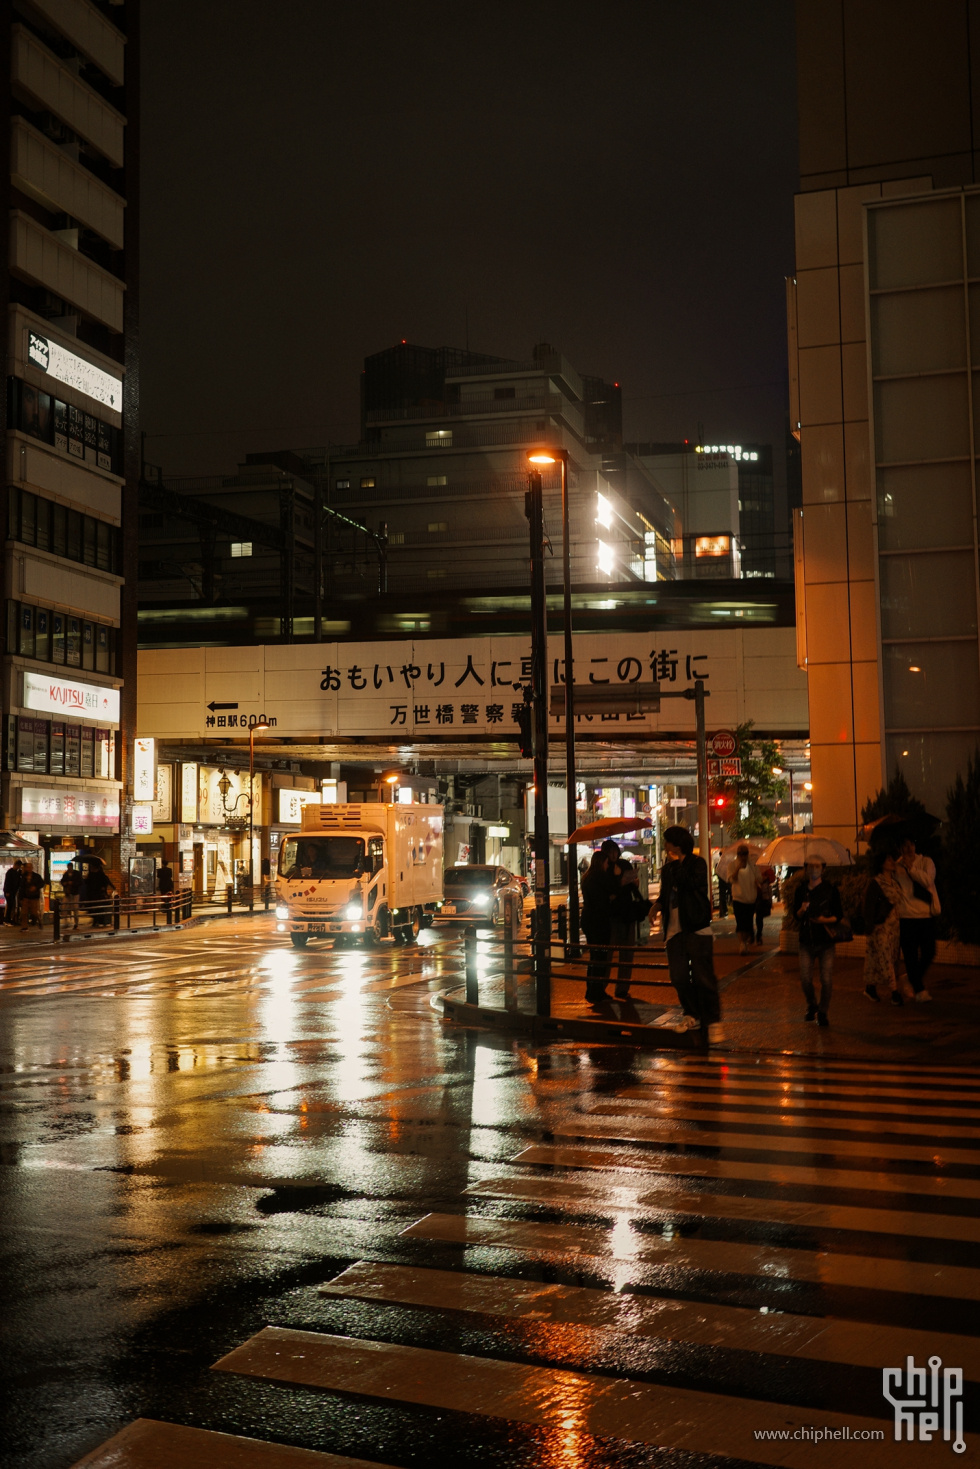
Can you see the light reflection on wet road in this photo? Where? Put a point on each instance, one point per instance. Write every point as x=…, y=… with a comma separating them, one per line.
x=203, y=1129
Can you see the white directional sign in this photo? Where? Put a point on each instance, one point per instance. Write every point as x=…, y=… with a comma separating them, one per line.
x=74, y=371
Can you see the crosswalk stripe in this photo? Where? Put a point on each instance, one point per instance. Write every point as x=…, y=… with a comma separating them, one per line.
x=822, y=1091
x=679, y=1252
x=764, y=1116
x=673, y=1418
x=822, y=1339
x=601, y=1196
x=869, y=1109
x=778, y=1173
x=146, y=1444
x=721, y=1063
x=637, y=1129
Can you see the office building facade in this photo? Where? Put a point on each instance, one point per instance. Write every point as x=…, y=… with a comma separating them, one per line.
x=883, y=341
x=70, y=282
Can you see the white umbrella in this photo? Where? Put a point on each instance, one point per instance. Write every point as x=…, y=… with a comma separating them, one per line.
x=756, y=849
x=793, y=851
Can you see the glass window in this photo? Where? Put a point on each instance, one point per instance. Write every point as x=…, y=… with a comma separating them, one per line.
x=57, y=637
x=439, y=438
x=342, y=484
x=323, y=857
x=928, y=596
x=42, y=634
x=367, y=483
x=915, y=244
x=89, y=540
x=73, y=750
x=435, y=480
x=28, y=517
x=925, y=505
x=88, y=751
x=13, y=627
x=43, y=535
x=41, y=728
x=73, y=642
x=25, y=744
x=57, y=754
x=103, y=558
x=930, y=685
x=13, y=513
x=26, y=641
x=922, y=418
x=930, y=761
x=101, y=649
x=59, y=529
x=88, y=646
x=918, y=331
x=241, y=548
x=73, y=547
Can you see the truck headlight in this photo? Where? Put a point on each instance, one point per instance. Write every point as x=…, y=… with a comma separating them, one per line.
x=353, y=910
x=282, y=911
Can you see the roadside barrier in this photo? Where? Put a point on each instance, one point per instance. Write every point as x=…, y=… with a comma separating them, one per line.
x=117, y=912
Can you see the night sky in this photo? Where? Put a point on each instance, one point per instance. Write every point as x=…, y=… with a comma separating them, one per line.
x=321, y=180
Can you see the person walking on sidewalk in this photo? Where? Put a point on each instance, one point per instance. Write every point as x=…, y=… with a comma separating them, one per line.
x=763, y=903
x=31, y=892
x=685, y=911
x=918, y=908
x=71, y=886
x=745, y=894
x=817, y=908
x=599, y=889
x=629, y=908
x=723, y=871
x=881, y=924
x=11, y=891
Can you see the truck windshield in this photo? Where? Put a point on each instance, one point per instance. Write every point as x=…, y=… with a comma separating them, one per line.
x=325, y=857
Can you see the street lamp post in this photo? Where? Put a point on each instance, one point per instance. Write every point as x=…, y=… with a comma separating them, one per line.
x=261, y=723
x=539, y=689
x=560, y=456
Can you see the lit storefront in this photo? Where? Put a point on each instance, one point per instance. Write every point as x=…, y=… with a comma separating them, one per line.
x=59, y=762
x=201, y=816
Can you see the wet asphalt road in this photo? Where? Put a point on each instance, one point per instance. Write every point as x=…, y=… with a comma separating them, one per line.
x=202, y=1130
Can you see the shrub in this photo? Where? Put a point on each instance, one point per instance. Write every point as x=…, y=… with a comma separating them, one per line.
x=960, y=875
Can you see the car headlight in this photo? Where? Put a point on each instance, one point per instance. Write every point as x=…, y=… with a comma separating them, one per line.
x=282, y=911
x=353, y=910
x=481, y=900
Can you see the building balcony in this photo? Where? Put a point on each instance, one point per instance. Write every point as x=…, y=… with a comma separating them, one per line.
x=90, y=32
x=38, y=75
x=38, y=256
x=45, y=172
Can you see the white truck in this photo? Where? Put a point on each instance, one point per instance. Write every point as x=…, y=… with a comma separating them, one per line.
x=367, y=872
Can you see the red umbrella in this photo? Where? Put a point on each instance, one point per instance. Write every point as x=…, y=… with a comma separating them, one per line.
x=607, y=826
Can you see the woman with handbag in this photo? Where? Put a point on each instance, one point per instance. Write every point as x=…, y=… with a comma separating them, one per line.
x=882, y=904
x=819, y=914
x=629, y=908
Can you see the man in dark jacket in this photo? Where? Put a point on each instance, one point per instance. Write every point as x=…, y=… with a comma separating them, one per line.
x=11, y=891
x=685, y=910
x=600, y=886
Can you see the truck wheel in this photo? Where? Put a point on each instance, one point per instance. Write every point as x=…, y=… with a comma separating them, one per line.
x=413, y=929
x=299, y=940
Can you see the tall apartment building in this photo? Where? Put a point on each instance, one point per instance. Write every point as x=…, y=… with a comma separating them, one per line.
x=69, y=278
x=442, y=466
x=884, y=347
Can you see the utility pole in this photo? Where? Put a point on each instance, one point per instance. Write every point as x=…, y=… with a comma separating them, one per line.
x=704, y=843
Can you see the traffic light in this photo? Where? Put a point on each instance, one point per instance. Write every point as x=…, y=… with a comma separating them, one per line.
x=719, y=801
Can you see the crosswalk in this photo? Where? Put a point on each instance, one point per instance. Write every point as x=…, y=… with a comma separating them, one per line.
x=716, y=1257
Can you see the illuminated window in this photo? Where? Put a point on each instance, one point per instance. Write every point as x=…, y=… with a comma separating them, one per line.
x=712, y=545
x=438, y=525
x=436, y=479
x=606, y=560
x=342, y=484
x=368, y=482
x=603, y=512
x=241, y=548
x=439, y=438
x=435, y=572
x=396, y=538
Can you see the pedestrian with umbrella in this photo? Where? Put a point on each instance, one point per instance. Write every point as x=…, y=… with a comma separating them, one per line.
x=600, y=887
x=918, y=908
x=818, y=911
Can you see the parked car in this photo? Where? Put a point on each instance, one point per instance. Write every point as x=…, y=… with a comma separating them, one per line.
x=525, y=884
x=475, y=894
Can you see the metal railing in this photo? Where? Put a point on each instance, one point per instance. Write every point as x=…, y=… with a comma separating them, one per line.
x=117, y=911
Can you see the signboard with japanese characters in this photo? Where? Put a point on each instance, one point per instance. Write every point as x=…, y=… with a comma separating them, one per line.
x=71, y=809
x=443, y=689
x=52, y=695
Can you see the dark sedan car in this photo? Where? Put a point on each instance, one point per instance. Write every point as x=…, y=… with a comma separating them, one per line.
x=475, y=894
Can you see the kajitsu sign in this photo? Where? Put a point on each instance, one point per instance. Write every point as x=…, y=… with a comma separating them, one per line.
x=50, y=695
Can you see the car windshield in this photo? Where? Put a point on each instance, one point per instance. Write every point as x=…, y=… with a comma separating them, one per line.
x=325, y=857
x=462, y=879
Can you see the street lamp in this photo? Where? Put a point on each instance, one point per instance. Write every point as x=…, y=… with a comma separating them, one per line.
x=260, y=723
x=539, y=692
x=389, y=778
x=560, y=456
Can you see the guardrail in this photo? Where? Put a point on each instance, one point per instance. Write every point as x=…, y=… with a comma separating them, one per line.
x=116, y=911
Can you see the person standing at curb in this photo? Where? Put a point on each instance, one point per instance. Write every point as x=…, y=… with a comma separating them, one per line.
x=629, y=908
x=685, y=910
x=881, y=924
x=918, y=908
x=31, y=891
x=817, y=908
x=599, y=889
x=71, y=886
x=745, y=894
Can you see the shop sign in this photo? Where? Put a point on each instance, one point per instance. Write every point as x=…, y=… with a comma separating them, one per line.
x=68, y=368
x=163, y=805
x=217, y=807
x=64, y=696
x=188, y=793
x=144, y=770
x=291, y=805
x=69, y=808
x=142, y=820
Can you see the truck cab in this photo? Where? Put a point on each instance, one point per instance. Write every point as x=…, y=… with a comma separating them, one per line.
x=361, y=873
